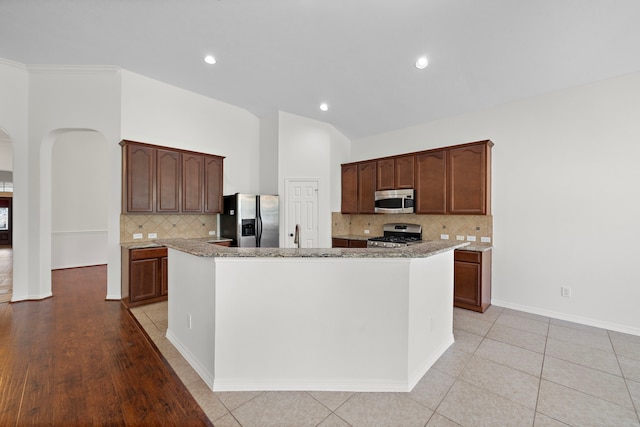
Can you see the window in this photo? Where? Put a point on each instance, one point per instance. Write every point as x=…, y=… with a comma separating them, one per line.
x=4, y=219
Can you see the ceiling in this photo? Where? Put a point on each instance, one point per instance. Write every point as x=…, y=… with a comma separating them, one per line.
x=356, y=55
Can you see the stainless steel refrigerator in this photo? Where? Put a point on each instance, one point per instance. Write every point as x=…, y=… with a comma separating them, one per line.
x=251, y=220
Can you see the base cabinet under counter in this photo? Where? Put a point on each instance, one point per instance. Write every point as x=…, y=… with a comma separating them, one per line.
x=337, y=242
x=144, y=275
x=472, y=279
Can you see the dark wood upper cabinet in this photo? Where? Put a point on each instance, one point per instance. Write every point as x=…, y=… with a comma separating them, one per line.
x=140, y=164
x=469, y=179
x=405, y=172
x=168, y=181
x=386, y=174
x=395, y=173
x=349, y=189
x=448, y=180
x=213, y=173
x=367, y=186
x=431, y=182
x=192, y=182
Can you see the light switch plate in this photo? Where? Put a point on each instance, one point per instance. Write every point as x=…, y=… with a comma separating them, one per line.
x=471, y=238
x=485, y=239
x=459, y=237
x=366, y=231
x=444, y=237
x=152, y=235
x=212, y=233
x=137, y=235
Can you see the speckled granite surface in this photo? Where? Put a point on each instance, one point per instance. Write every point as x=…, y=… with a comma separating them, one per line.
x=201, y=247
x=477, y=247
x=155, y=244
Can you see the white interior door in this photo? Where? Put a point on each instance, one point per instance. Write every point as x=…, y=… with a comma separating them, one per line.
x=302, y=210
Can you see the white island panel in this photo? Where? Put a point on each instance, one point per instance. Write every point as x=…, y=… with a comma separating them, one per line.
x=364, y=324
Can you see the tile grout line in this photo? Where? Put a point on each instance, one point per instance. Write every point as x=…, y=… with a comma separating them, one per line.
x=625, y=379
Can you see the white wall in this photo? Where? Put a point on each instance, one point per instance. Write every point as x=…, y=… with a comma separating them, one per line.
x=269, y=152
x=157, y=113
x=565, y=197
x=306, y=150
x=6, y=152
x=80, y=179
x=14, y=89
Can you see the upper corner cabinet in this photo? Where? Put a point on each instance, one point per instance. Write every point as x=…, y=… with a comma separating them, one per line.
x=139, y=171
x=159, y=179
x=469, y=178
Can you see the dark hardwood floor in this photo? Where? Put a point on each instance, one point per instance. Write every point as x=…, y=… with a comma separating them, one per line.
x=76, y=359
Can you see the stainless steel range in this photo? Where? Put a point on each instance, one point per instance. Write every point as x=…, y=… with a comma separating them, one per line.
x=397, y=235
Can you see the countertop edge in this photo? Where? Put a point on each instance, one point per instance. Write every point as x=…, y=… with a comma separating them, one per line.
x=201, y=248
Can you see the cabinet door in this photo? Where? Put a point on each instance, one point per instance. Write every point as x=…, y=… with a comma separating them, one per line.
x=404, y=172
x=386, y=174
x=143, y=280
x=466, y=279
x=431, y=182
x=339, y=243
x=140, y=174
x=213, y=184
x=357, y=243
x=366, y=187
x=192, y=180
x=349, y=189
x=167, y=181
x=164, y=280
x=467, y=175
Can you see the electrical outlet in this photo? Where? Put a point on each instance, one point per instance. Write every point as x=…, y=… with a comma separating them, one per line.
x=471, y=238
x=366, y=231
x=459, y=237
x=444, y=237
x=212, y=233
x=565, y=292
x=485, y=239
x=152, y=235
x=137, y=235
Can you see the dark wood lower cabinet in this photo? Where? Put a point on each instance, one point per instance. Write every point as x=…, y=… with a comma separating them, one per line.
x=144, y=275
x=472, y=280
x=348, y=243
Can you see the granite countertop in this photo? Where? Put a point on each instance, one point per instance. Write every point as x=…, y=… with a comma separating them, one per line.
x=202, y=248
x=477, y=247
x=155, y=244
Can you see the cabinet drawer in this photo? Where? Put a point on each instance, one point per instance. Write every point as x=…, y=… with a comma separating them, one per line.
x=147, y=253
x=339, y=243
x=467, y=256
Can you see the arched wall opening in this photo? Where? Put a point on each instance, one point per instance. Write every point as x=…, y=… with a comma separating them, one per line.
x=74, y=184
x=6, y=216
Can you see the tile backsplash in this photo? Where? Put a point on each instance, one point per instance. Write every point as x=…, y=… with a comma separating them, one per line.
x=166, y=226
x=432, y=225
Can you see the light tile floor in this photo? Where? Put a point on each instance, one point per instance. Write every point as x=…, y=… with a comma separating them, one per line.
x=6, y=273
x=506, y=368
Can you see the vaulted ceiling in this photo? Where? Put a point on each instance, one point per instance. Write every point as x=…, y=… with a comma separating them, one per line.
x=356, y=55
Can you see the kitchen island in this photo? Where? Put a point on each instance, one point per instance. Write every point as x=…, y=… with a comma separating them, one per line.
x=310, y=319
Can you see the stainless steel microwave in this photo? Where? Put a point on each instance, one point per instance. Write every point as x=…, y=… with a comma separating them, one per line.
x=394, y=201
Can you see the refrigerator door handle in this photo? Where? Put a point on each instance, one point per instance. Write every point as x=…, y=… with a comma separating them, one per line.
x=258, y=222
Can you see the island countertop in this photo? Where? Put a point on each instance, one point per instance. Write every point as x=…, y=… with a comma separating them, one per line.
x=204, y=247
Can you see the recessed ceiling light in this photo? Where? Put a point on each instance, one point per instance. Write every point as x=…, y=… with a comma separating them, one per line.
x=209, y=59
x=422, y=62
x=324, y=106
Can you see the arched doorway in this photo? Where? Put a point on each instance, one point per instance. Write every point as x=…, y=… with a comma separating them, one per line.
x=6, y=217
x=79, y=183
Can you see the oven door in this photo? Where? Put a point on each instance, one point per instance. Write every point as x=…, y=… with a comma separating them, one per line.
x=394, y=201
